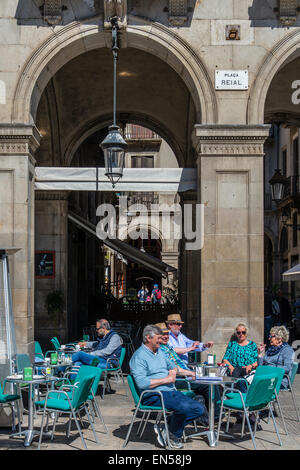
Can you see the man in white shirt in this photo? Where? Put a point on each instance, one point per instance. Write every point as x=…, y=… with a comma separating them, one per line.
x=179, y=342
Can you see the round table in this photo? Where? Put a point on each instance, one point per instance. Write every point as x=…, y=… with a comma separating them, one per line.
x=29, y=433
x=210, y=432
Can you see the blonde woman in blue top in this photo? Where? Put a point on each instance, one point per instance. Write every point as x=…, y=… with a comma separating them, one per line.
x=241, y=353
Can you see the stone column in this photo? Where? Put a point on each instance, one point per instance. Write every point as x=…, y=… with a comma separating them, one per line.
x=189, y=280
x=18, y=144
x=51, y=234
x=231, y=277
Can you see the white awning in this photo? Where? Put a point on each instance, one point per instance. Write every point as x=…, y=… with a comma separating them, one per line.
x=292, y=274
x=134, y=179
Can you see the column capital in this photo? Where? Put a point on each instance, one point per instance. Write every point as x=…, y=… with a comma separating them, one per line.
x=19, y=139
x=51, y=195
x=226, y=140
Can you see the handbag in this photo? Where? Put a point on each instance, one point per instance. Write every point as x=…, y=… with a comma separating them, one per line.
x=239, y=372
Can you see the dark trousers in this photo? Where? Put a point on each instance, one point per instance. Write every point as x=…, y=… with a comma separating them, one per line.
x=184, y=409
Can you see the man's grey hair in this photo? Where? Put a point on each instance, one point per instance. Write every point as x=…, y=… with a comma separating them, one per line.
x=151, y=330
x=103, y=323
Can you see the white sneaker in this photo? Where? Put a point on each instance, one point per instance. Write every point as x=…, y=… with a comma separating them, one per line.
x=159, y=432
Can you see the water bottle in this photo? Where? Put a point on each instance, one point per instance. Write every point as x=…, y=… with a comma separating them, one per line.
x=14, y=366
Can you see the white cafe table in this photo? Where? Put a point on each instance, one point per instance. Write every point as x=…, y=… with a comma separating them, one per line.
x=29, y=433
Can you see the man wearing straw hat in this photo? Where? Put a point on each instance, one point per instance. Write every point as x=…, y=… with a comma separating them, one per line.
x=152, y=370
x=179, y=342
x=184, y=370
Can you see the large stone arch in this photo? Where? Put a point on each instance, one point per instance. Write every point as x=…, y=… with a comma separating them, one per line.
x=78, y=38
x=271, y=64
x=81, y=134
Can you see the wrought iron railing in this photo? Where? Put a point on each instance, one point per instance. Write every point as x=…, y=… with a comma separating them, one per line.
x=141, y=199
x=268, y=201
x=293, y=187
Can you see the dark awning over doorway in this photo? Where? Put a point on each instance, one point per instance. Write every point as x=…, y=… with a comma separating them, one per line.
x=153, y=264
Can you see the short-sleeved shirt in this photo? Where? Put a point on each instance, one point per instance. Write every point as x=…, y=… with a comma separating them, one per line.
x=240, y=356
x=181, y=341
x=146, y=365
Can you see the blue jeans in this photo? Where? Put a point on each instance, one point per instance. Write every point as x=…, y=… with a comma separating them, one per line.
x=82, y=358
x=185, y=409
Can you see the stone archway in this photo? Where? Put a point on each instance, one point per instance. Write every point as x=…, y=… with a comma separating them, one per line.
x=271, y=64
x=77, y=38
x=90, y=128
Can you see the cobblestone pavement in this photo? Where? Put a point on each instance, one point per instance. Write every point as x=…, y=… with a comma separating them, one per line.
x=117, y=412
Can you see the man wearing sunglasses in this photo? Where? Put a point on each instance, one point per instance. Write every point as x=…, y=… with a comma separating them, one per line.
x=108, y=346
x=179, y=342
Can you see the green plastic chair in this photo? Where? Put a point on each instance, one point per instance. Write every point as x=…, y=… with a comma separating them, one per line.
x=115, y=370
x=259, y=396
x=146, y=410
x=269, y=370
x=261, y=371
x=22, y=360
x=291, y=378
x=57, y=345
x=83, y=372
x=62, y=404
x=38, y=352
x=8, y=400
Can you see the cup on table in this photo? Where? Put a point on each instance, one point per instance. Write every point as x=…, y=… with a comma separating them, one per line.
x=199, y=371
x=77, y=347
x=47, y=360
x=63, y=346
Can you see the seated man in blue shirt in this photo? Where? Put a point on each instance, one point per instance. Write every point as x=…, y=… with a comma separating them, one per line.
x=108, y=346
x=179, y=342
x=152, y=370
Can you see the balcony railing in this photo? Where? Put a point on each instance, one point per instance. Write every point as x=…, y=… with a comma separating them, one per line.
x=143, y=199
x=268, y=201
x=293, y=187
x=140, y=133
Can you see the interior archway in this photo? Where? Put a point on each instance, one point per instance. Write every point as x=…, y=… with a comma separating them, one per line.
x=78, y=100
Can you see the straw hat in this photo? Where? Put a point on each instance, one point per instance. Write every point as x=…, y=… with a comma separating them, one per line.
x=162, y=326
x=174, y=318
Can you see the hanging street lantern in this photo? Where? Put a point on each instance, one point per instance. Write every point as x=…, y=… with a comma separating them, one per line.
x=278, y=183
x=114, y=146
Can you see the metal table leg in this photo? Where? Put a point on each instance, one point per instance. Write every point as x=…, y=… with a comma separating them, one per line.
x=210, y=432
x=29, y=433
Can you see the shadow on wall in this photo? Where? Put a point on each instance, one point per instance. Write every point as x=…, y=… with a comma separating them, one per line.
x=264, y=14
x=31, y=12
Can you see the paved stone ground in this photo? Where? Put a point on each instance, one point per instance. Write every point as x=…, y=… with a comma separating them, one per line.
x=117, y=412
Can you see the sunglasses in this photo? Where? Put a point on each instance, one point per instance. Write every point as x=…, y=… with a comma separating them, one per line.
x=241, y=332
x=176, y=323
x=272, y=336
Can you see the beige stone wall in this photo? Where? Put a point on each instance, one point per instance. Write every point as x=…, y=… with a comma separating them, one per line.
x=231, y=273
x=181, y=57
x=51, y=232
x=17, y=224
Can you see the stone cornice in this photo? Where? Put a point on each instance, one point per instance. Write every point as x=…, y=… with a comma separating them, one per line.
x=222, y=140
x=18, y=139
x=288, y=12
x=51, y=196
x=177, y=12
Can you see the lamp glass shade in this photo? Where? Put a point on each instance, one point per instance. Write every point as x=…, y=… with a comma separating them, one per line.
x=278, y=183
x=114, y=147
